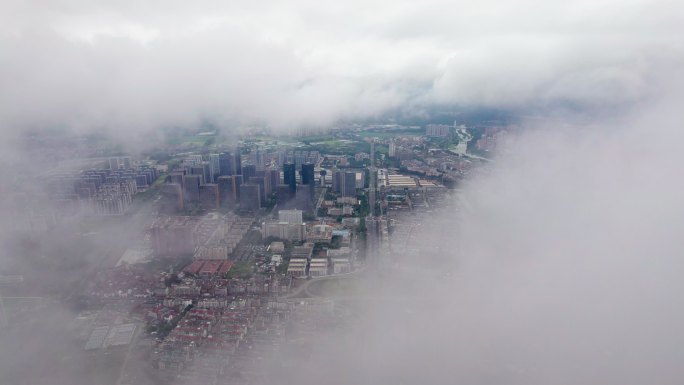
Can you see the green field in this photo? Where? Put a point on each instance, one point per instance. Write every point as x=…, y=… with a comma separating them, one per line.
x=390, y=134
x=338, y=147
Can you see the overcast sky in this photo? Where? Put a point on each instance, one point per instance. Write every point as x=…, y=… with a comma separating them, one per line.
x=130, y=65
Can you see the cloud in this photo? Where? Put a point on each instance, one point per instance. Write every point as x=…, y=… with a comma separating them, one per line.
x=564, y=268
x=567, y=249
x=133, y=66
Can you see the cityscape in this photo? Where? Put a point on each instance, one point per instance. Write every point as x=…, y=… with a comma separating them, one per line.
x=232, y=250
x=341, y=193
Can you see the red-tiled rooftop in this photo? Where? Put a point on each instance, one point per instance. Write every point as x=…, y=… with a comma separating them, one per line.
x=194, y=267
x=225, y=267
x=210, y=267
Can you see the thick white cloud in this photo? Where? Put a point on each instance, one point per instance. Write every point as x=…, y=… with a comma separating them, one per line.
x=567, y=255
x=136, y=65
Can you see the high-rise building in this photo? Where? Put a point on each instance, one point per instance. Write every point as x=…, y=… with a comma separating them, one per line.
x=237, y=158
x=141, y=181
x=344, y=183
x=113, y=198
x=281, y=157
x=360, y=179
x=148, y=175
x=349, y=189
x=226, y=164
x=283, y=195
x=299, y=158
x=261, y=182
x=304, y=197
x=191, y=185
x=209, y=196
x=126, y=161
x=214, y=167
x=273, y=176
x=290, y=177
x=250, y=199
x=175, y=177
x=230, y=163
x=248, y=171
x=257, y=157
x=308, y=173
x=195, y=159
x=238, y=180
x=199, y=170
x=268, y=188
x=171, y=198
x=227, y=190
x=113, y=164
x=337, y=181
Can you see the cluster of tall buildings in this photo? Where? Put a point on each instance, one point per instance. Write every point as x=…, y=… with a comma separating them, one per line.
x=107, y=191
x=198, y=181
x=292, y=194
x=259, y=158
x=223, y=181
x=345, y=183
